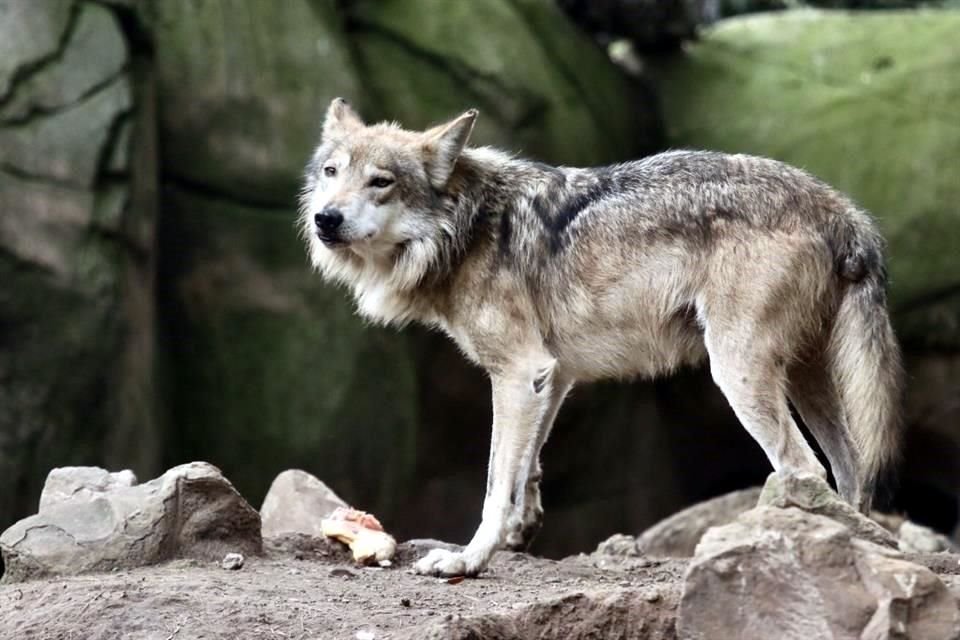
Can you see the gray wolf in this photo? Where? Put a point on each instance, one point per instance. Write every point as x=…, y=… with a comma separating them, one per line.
x=552, y=276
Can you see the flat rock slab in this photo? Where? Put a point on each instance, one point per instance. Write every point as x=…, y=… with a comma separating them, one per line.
x=190, y=511
x=279, y=597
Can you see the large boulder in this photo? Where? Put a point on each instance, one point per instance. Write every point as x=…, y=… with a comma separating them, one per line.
x=190, y=511
x=865, y=101
x=803, y=563
x=787, y=573
x=77, y=213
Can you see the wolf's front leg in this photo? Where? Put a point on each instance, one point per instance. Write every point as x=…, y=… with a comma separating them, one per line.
x=524, y=397
x=529, y=515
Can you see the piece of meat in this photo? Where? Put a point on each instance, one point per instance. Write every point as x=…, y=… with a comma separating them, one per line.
x=362, y=532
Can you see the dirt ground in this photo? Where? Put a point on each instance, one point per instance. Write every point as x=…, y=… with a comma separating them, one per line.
x=300, y=592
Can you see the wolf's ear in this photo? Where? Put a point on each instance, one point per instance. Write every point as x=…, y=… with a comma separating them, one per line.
x=341, y=120
x=443, y=146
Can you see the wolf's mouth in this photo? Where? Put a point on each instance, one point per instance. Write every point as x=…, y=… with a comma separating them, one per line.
x=332, y=242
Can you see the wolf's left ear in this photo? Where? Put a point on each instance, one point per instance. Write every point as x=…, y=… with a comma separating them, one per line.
x=443, y=146
x=341, y=120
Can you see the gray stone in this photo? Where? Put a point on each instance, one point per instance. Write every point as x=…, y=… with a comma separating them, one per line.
x=232, y=562
x=619, y=544
x=916, y=538
x=813, y=494
x=84, y=483
x=678, y=535
x=44, y=224
x=95, y=52
x=788, y=574
x=190, y=511
x=66, y=147
x=296, y=503
x=30, y=33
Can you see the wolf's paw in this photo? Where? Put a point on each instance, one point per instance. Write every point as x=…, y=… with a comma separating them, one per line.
x=447, y=564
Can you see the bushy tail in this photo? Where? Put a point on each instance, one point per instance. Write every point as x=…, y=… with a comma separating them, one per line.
x=865, y=360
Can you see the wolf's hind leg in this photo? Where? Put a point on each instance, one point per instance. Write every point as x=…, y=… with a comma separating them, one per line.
x=753, y=379
x=815, y=398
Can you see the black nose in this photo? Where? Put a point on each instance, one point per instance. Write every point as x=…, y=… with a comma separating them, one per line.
x=328, y=220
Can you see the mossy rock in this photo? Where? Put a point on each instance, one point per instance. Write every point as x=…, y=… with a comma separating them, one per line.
x=543, y=88
x=242, y=90
x=866, y=101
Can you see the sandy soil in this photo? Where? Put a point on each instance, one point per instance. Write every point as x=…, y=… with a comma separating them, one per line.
x=298, y=591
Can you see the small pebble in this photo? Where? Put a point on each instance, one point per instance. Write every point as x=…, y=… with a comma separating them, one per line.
x=232, y=561
x=404, y=602
x=340, y=572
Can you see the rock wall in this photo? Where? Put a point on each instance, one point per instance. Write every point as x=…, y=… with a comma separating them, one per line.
x=77, y=215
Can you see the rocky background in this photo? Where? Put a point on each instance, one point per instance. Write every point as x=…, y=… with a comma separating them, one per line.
x=156, y=306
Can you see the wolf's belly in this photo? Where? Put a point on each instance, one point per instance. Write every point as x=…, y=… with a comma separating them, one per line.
x=599, y=351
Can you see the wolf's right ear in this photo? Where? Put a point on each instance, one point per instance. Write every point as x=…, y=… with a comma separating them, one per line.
x=341, y=120
x=443, y=146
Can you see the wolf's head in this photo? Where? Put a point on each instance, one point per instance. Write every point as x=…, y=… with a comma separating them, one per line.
x=371, y=192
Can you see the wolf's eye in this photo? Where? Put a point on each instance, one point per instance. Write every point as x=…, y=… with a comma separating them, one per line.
x=380, y=182
x=330, y=171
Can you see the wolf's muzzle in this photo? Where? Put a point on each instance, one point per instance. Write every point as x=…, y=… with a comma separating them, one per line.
x=328, y=224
